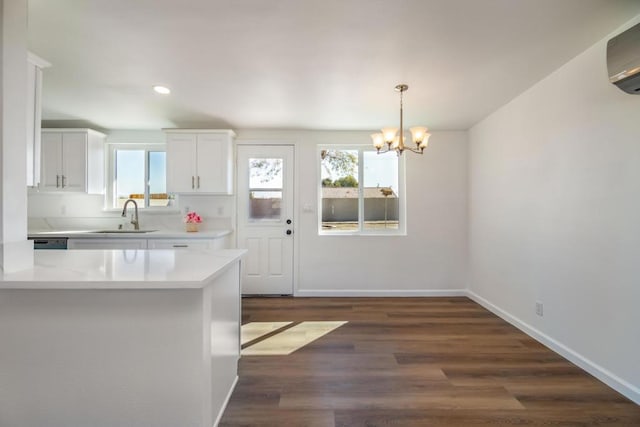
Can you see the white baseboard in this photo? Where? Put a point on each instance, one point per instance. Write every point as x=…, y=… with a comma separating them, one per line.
x=629, y=390
x=226, y=402
x=381, y=293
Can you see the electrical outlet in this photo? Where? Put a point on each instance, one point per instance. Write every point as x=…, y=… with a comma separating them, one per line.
x=186, y=210
x=220, y=210
x=539, y=309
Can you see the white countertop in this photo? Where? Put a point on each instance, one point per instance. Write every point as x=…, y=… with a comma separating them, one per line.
x=121, y=269
x=155, y=234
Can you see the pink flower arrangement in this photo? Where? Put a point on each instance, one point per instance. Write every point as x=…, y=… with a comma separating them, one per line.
x=192, y=218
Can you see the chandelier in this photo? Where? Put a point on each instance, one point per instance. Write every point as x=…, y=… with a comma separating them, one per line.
x=395, y=142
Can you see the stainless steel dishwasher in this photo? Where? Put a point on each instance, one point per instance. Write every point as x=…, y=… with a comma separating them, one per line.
x=50, y=243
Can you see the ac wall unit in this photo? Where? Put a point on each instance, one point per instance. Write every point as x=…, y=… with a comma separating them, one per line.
x=623, y=60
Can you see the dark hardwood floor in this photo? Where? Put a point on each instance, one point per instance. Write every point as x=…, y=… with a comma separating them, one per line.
x=414, y=362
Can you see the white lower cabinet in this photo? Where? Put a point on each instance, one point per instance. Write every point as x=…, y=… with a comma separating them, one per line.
x=106, y=244
x=120, y=243
x=185, y=244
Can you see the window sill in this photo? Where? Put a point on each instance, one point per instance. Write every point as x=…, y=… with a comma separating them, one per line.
x=363, y=234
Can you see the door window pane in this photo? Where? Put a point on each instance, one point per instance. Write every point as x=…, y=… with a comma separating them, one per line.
x=265, y=192
x=158, y=178
x=265, y=204
x=130, y=170
x=381, y=198
x=340, y=190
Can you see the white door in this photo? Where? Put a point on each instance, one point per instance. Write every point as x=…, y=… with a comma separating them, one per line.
x=265, y=218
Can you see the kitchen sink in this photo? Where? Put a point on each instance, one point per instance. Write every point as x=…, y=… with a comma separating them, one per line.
x=123, y=231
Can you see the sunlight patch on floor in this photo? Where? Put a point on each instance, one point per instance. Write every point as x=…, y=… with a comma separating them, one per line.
x=290, y=340
x=255, y=330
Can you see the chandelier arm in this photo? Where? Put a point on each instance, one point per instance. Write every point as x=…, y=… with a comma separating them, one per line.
x=415, y=150
x=387, y=149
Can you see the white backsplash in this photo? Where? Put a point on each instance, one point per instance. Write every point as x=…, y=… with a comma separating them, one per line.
x=82, y=211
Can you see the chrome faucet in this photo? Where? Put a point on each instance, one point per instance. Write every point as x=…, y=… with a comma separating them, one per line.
x=134, y=217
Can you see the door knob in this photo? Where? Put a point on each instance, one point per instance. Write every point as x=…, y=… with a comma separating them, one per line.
x=288, y=221
x=289, y=232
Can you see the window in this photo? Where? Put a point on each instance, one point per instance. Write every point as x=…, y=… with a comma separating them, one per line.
x=139, y=173
x=361, y=192
x=265, y=189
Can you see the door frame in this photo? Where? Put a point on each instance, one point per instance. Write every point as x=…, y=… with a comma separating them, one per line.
x=296, y=210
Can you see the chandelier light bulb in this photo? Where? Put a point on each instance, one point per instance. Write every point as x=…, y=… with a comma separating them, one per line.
x=378, y=140
x=418, y=133
x=423, y=144
x=389, y=134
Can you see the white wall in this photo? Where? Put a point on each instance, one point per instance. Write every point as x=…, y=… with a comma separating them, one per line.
x=429, y=260
x=555, y=216
x=16, y=253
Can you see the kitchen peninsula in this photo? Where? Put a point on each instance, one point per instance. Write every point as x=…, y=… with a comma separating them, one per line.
x=120, y=337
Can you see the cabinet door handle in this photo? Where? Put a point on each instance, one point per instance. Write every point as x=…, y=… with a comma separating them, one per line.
x=57, y=181
x=193, y=185
x=198, y=181
x=180, y=246
x=63, y=178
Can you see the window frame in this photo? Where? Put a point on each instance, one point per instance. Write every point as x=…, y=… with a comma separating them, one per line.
x=361, y=231
x=110, y=193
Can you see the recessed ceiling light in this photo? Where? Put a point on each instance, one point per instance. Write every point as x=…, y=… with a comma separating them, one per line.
x=162, y=90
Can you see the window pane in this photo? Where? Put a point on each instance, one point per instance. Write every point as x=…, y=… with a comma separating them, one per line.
x=158, y=178
x=129, y=176
x=339, y=174
x=381, y=198
x=264, y=204
x=265, y=194
x=265, y=173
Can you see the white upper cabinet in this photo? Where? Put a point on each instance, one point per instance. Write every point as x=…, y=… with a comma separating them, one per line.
x=200, y=161
x=34, y=109
x=181, y=162
x=72, y=161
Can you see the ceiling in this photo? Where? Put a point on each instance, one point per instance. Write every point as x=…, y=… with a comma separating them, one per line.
x=303, y=64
